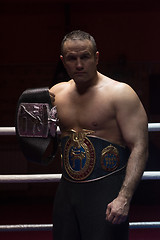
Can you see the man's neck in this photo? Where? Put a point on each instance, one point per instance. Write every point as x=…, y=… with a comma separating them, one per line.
x=84, y=87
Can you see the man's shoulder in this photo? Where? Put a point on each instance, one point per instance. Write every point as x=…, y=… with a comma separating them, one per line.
x=60, y=86
x=115, y=85
x=118, y=91
x=125, y=95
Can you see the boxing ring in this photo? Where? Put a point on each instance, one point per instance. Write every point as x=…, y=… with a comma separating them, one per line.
x=46, y=178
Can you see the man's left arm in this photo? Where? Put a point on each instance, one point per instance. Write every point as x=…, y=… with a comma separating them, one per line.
x=133, y=123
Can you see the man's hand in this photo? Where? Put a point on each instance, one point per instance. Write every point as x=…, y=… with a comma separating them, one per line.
x=52, y=96
x=117, y=210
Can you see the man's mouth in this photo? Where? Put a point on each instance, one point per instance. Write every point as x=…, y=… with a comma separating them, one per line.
x=79, y=73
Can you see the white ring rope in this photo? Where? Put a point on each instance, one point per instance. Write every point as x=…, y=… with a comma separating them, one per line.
x=26, y=227
x=151, y=175
x=31, y=178
x=49, y=227
x=7, y=131
x=137, y=225
x=12, y=131
x=152, y=127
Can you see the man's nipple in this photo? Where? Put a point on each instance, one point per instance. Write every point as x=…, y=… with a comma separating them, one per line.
x=94, y=124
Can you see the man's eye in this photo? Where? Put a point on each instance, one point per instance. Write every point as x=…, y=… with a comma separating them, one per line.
x=71, y=58
x=85, y=57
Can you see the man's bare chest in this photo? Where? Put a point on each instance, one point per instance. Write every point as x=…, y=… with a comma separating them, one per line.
x=90, y=113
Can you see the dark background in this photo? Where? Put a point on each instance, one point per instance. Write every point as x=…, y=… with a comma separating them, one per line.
x=128, y=38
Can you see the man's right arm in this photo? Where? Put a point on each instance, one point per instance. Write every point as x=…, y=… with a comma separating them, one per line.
x=133, y=123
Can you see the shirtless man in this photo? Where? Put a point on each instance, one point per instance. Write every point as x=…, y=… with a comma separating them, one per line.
x=95, y=107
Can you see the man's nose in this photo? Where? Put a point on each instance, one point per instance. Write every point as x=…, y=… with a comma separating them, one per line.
x=79, y=64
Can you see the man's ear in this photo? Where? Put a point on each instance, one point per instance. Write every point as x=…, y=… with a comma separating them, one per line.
x=97, y=57
x=62, y=59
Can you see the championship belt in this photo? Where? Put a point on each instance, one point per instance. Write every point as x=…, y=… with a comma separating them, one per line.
x=36, y=125
x=88, y=158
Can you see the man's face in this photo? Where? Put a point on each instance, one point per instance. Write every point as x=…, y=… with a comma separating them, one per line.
x=79, y=60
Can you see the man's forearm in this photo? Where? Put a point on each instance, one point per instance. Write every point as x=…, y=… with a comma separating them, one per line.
x=135, y=168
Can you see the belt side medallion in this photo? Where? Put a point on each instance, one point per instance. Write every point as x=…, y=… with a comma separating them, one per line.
x=79, y=155
x=110, y=158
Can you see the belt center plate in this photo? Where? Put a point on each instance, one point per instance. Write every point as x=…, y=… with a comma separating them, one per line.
x=79, y=157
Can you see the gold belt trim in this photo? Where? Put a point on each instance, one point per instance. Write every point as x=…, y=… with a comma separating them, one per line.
x=79, y=155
